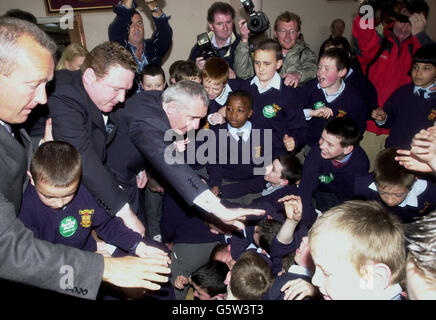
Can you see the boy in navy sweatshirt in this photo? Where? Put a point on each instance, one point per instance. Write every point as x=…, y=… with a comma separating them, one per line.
x=240, y=149
x=411, y=107
x=331, y=167
x=57, y=208
x=330, y=96
x=275, y=104
x=398, y=189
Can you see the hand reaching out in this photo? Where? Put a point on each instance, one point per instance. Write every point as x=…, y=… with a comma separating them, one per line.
x=289, y=142
x=378, y=114
x=298, y=290
x=293, y=207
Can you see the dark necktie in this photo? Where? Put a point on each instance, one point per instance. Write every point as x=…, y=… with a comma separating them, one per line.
x=109, y=126
x=421, y=92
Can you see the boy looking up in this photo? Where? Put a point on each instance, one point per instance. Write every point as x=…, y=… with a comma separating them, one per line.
x=331, y=167
x=153, y=78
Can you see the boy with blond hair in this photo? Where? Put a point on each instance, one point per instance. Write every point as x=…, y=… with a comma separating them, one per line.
x=359, y=252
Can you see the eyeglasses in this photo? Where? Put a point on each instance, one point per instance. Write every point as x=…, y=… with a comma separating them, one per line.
x=284, y=32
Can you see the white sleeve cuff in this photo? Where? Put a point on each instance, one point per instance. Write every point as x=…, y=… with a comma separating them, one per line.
x=208, y=201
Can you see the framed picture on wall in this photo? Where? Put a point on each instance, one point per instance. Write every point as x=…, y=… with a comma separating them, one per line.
x=54, y=6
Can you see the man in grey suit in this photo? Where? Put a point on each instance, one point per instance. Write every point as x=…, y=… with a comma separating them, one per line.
x=26, y=65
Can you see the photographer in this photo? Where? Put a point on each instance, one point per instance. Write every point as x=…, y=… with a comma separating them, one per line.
x=300, y=62
x=127, y=29
x=386, y=58
x=223, y=40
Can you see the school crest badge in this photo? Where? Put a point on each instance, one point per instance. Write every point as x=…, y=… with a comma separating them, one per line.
x=432, y=115
x=86, y=217
x=341, y=113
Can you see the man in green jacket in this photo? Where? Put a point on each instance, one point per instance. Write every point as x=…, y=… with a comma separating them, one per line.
x=299, y=61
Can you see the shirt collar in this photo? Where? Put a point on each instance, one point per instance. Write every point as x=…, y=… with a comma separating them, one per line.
x=270, y=188
x=427, y=90
x=6, y=126
x=350, y=71
x=214, y=43
x=245, y=130
x=222, y=98
x=295, y=268
x=332, y=97
x=275, y=83
x=412, y=196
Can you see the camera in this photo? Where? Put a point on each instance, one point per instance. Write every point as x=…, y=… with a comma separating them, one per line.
x=204, y=43
x=257, y=21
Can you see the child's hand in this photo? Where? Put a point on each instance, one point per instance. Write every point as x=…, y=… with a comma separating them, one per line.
x=298, y=289
x=293, y=207
x=289, y=143
x=378, y=115
x=141, y=179
x=324, y=112
x=181, y=282
x=180, y=145
x=215, y=118
x=144, y=251
x=200, y=62
x=215, y=190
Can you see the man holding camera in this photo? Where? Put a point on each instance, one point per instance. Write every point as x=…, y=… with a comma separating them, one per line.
x=299, y=61
x=128, y=30
x=223, y=40
x=386, y=58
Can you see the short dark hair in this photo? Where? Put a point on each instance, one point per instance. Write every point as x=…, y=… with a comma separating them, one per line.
x=388, y=171
x=337, y=42
x=344, y=128
x=106, y=55
x=153, y=70
x=341, y=57
x=173, y=67
x=267, y=229
x=186, y=69
x=270, y=45
x=335, y=21
x=220, y=247
x=425, y=54
x=291, y=167
x=241, y=94
x=221, y=7
x=211, y=277
x=56, y=163
x=21, y=14
x=251, y=277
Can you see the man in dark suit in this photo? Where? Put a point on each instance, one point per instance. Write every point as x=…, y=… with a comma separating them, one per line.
x=149, y=122
x=26, y=55
x=80, y=108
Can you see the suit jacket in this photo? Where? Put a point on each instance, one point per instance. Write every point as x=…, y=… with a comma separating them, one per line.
x=77, y=120
x=147, y=123
x=26, y=259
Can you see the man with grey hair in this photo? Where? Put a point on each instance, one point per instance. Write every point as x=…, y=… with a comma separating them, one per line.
x=146, y=122
x=26, y=65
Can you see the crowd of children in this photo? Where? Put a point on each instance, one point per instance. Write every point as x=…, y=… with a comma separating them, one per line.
x=333, y=229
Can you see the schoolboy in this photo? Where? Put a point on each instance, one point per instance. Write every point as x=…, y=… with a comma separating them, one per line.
x=274, y=103
x=329, y=96
x=153, y=78
x=186, y=70
x=283, y=177
x=208, y=281
x=215, y=80
x=331, y=167
x=397, y=188
x=359, y=252
x=234, y=180
x=59, y=209
x=249, y=279
x=291, y=238
x=411, y=107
